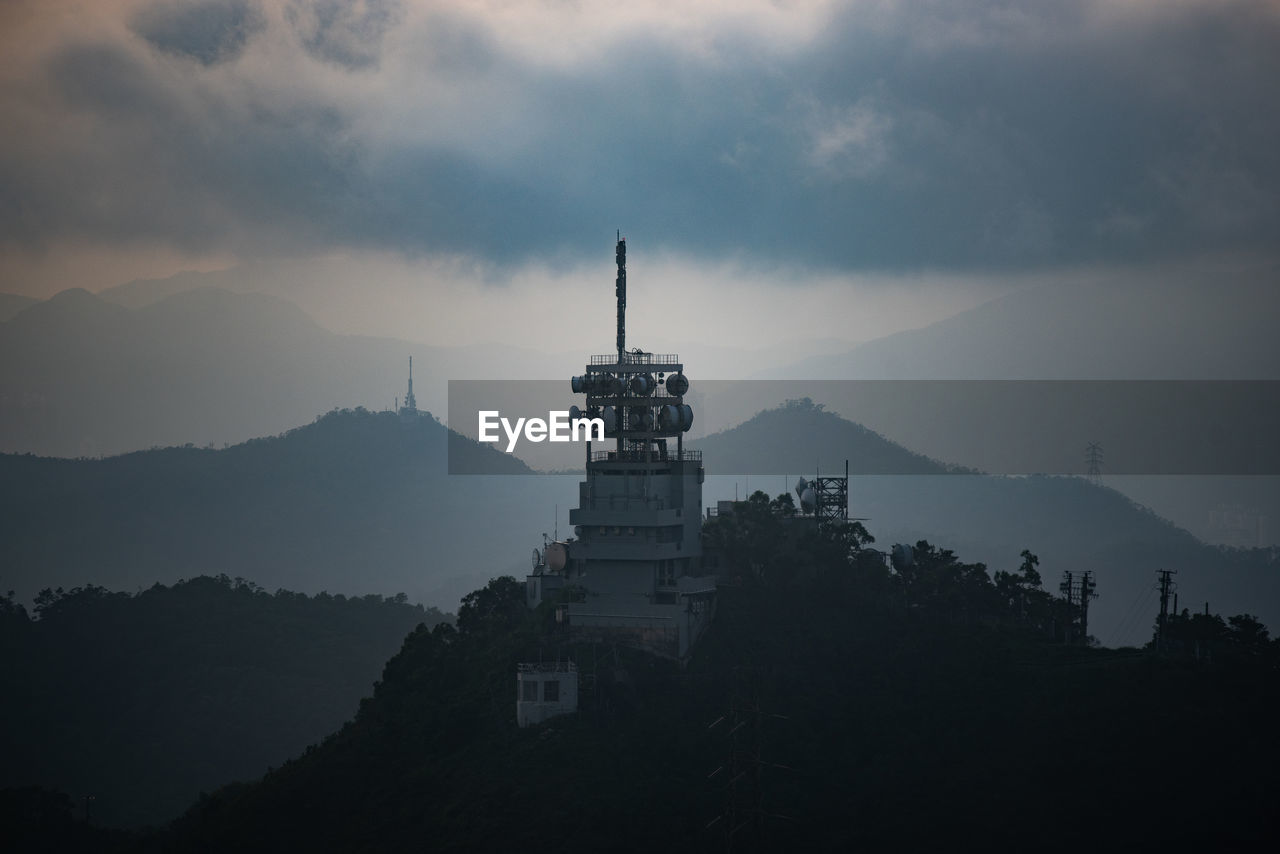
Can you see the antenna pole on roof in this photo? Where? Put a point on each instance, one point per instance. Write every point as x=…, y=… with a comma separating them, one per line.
x=621, y=292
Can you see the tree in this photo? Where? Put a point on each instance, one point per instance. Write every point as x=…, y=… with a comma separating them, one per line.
x=937, y=580
x=1248, y=634
x=1018, y=591
x=497, y=607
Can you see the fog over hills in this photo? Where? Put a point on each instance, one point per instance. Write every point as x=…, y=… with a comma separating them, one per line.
x=356, y=503
x=360, y=502
x=173, y=361
x=82, y=376
x=1206, y=325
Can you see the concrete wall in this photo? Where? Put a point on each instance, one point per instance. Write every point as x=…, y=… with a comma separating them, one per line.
x=533, y=683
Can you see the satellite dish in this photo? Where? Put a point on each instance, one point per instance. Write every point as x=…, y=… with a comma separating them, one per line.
x=902, y=556
x=808, y=500
x=642, y=384
x=537, y=558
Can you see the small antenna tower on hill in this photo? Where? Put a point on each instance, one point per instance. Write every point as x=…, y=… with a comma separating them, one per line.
x=1093, y=459
x=410, y=402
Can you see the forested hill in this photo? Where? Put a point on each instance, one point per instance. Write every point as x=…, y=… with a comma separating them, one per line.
x=792, y=437
x=144, y=700
x=879, y=726
x=356, y=502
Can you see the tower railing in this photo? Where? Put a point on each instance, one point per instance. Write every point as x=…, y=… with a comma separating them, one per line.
x=649, y=456
x=637, y=359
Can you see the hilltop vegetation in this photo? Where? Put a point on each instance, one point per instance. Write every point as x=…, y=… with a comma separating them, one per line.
x=893, y=713
x=144, y=700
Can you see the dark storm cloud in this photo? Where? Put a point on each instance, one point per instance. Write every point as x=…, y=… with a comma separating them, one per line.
x=965, y=135
x=208, y=31
x=200, y=171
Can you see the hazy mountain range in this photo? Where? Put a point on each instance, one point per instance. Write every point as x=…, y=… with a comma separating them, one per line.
x=355, y=503
x=361, y=502
x=173, y=361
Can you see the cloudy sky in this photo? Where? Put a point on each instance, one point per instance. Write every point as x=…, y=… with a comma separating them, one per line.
x=796, y=151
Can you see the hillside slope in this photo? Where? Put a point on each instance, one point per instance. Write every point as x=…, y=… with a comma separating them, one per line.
x=875, y=730
x=143, y=701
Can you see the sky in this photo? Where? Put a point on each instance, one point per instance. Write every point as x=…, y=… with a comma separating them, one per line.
x=898, y=161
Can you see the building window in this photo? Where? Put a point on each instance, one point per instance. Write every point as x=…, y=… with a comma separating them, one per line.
x=666, y=574
x=529, y=691
x=551, y=691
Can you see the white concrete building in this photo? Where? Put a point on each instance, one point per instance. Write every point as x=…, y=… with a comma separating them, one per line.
x=545, y=690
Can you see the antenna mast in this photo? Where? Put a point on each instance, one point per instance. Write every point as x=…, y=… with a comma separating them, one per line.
x=621, y=291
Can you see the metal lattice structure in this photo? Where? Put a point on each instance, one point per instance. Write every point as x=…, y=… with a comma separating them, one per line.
x=1093, y=460
x=831, y=500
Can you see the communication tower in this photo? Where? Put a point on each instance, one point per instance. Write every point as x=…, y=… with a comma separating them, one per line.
x=636, y=553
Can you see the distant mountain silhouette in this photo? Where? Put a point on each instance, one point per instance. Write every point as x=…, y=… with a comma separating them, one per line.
x=11, y=304
x=140, y=293
x=357, y=502
x=801, y=435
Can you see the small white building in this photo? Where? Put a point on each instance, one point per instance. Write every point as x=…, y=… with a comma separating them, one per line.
x=545, y=690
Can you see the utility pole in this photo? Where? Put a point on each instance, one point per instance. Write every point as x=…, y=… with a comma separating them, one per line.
x=1078, y=594
x=1167, y=586
x=1087, y=585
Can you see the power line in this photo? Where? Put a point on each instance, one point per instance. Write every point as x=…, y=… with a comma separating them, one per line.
x=1131, y=622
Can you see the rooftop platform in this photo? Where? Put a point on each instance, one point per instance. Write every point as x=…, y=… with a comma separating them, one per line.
x=631, y=361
